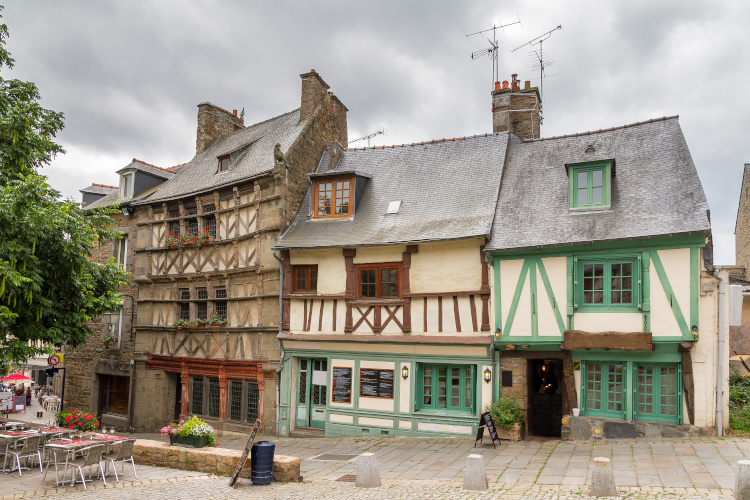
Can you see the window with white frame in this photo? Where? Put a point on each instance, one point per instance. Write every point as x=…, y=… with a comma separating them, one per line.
x=126, y=185
x=121, y=252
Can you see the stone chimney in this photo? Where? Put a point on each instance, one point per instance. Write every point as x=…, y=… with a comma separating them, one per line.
x=516, y=110
x=314, y=90
x=213, y=122
x=334, y=154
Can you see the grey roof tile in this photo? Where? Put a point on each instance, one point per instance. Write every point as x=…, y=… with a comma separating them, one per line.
x=98, y=189
x=141, y=166
x=448, y=190
x=655, y=190
x=251, y=154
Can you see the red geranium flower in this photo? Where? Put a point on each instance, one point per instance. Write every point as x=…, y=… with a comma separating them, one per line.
x=97, y=424
x=79, y=423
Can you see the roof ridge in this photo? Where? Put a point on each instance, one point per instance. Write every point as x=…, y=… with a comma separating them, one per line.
x=104, y=185
x=152, y=165
x=426, y=143
x=269, y=119
x=590, y=132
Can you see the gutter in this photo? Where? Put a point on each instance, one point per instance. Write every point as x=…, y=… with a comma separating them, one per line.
x=281, y=345
x=720, y=358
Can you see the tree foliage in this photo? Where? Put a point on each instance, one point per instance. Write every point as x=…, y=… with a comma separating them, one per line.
x=49, y=287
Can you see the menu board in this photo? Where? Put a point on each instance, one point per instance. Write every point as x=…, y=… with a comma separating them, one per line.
x=376, y=383
x=342, y=385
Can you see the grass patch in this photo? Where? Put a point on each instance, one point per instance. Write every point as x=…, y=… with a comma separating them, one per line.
x=739, y=402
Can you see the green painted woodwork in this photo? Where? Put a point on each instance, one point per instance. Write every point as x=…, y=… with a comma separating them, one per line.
x=516, y=298
x=646, y=290
x=571, y=288
x=542, y=343
x=603, y=268
x=449, y=388
x=662, y=353
x=695, y=282
x=533, y=297
x=634, y=390
x=497, y=296
x=587, y=181
x=285, y=397
x=551, y=296
x=675, y=305
x=688, y=240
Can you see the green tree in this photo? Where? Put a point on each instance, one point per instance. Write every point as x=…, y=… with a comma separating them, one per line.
x=49, y=287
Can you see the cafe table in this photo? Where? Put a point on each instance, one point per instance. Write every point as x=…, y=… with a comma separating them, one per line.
x=69, y=448
x=8, y=440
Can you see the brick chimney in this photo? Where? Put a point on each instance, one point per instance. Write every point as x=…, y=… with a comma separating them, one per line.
x=314, y=90
x=516, y=110
x=213, y=122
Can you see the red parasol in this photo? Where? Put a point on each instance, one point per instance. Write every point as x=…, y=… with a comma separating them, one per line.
x=16, y=377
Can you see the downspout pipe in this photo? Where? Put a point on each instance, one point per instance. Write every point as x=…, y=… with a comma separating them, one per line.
x=720, y=359
x=281, y=346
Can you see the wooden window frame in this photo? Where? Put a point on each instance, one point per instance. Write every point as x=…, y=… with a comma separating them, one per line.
x=434, y=406
x=358, y=268
x=244, y=400
x=332, y=180
x=219, y=170
x=308, y=288
x=573, y=170
x=607, y=305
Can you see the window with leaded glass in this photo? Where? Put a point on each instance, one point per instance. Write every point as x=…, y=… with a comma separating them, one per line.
x=213, y=397
x=197, y=395
x=302, y=389
x=604, y=384
x=305, y=278
x=202, y=307
x=211, y=225
x=205, y=396
x=192, y=226
x=174, y=226
x=656, y=392
x=378, y=280
x=253, y=405
x=243, y=401
x=220, y=306
x=608, y=282
x=446, y=387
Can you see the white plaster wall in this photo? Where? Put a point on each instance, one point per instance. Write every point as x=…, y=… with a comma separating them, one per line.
x=404, y=424
x=421, y=349
x=510, y=270
x=486, y=392
x=608, y=322
x=296, y=315
x=547, y=324
x=377, y=422
x=331, y=268
x=557, y=272
x=454, y=429
x=676, y=264
x=446, y=267
x=369, y=255
x=341, y=363
x=405, y=387
x=392, y=327
x=522, y=320
x=382, y=404
x=344, y=419
x=663, y=322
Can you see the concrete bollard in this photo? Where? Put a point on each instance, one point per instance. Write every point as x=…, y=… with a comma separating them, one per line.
x=368, y=475
x=475, y=477
x=602, y=479
x=742, y=480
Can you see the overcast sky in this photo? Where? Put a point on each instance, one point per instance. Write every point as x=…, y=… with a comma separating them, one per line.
x=129, y=74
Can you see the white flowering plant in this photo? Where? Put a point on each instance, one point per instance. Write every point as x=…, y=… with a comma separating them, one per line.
x=193, y=427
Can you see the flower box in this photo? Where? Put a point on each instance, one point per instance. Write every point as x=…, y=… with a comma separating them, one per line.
x=515, y=433
x=189, y=441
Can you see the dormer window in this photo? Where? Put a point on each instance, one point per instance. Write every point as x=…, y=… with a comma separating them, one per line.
x=333, y=197
x=223, y=163
x=590, y=185
x=126, y=186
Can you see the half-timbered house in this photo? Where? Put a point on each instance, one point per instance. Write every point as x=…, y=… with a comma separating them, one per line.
x=603, y=297
x=386, y=326
x=207, y=281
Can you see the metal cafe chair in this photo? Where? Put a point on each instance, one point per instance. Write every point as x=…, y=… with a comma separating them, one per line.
x=92, y=459
x=124, y=454
x=51, y=457
x=27, y=447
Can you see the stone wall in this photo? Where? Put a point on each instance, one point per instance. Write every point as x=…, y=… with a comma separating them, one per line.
x=742, y=231
x=213, y=122
x=595, y=428
x=517, y=111
x=83, y=363
x=212, y=460
x=519, y=389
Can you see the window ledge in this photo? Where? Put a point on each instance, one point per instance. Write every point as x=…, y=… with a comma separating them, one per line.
x=331, y=218
x=607, y=309
x=445, y=413
x=588, y=210
x=377, y=302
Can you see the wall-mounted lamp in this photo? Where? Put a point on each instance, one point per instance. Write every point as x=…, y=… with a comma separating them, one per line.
x=405, y=372
x=487, y=375
x=498, y=333
x=127, y=211
x=694, y=331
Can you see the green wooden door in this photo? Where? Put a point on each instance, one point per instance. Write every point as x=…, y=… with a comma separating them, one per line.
x=312, y=393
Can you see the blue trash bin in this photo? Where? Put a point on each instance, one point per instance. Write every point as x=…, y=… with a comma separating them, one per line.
x=261, y=462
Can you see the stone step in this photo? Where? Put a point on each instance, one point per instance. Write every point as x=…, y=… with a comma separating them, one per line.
x=307, y=432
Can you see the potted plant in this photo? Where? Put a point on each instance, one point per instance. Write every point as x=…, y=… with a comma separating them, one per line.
x=194, y=433
x=181, y=324
x=173, y=240
x=507, y=417
x=216, y=320
x=110, y=340
x=82, y=421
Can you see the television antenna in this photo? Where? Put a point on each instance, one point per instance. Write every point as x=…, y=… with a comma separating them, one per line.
x=381, y=130
x=541, y=63
x=491, y=52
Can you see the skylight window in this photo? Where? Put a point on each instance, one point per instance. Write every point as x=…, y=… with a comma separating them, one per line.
x=394, y=207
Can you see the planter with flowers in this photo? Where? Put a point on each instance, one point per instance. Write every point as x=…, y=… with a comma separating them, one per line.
x=181, y=324
x=196, y=240
x=194, y=433
x=508, y=418
x=111, y=341
x=216, y=320
x=79, y=420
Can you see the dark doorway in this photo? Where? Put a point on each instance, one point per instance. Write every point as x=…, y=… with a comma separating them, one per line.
x=545, y=396
x=177, y=397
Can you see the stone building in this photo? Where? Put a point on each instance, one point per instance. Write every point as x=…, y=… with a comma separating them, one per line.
x=199, y=246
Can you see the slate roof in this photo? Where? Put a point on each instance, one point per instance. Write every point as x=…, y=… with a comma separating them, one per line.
x=142, y=166
x=655, y=189
x=104, y=201
x=448, y=190
x=98, y=189
x=251, y=154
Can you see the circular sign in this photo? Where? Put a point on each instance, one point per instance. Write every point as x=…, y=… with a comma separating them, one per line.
x=54, y=360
